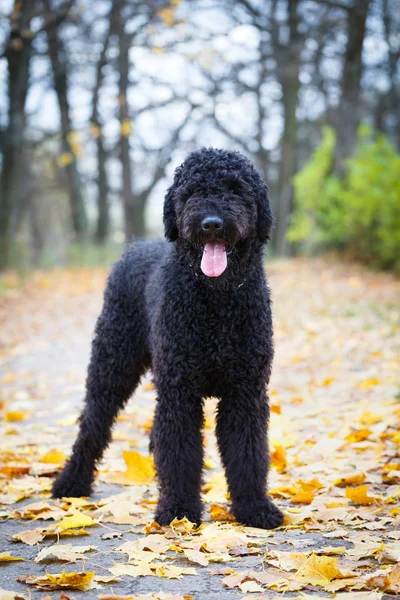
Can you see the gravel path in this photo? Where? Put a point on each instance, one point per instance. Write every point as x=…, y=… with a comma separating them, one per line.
x=337, y=338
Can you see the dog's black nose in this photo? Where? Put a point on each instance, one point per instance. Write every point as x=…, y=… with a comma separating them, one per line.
x=212, y=224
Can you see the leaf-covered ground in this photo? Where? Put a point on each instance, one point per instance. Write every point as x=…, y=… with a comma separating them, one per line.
x=335, y=442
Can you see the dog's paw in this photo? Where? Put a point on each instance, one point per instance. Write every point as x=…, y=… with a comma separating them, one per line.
x=262, y=514
x=168, y=511
x=69, y=485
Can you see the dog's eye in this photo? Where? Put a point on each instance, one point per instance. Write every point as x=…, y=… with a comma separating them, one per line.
x=232, y=183
x=185, y=192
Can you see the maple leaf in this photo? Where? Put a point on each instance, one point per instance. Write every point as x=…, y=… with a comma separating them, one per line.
x=153, y=527
x=369, y=418
x=356, y=479
x=172, y=572
x=145, y=549
x=152, y=569
x=53, y=456
x=155, y=596
x=15, y=415
x=183, y=525
x=250, y=586
x=220, y=513
x=149, y=387
x=318, y=570
x=66, y=552
x=390, y=553
x=78, y=519
x=368, y=383
x=279, y=458
x=359, y=495
x=56, y=581
x=273, y=579
x=39, y=510
x=30, y=537
x=287, y=561
x=7, y=595
x=140, y=469
x=388, y=581
x=358, y=435
x=6, y=557
x=141, y=570
x=302, y=497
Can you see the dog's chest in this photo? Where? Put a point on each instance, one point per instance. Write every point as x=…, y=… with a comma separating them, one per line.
x=215, y=333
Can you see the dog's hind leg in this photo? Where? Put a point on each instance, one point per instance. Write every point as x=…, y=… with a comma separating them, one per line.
x=117, y=362
x=241, y=430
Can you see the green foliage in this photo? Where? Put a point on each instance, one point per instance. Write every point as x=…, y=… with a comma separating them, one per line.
x=361, y=211
x=88, y=255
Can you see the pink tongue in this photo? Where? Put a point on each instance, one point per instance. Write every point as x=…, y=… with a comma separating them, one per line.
x=213, y=262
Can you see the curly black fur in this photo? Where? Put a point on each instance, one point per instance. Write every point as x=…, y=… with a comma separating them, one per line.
x=201, y=336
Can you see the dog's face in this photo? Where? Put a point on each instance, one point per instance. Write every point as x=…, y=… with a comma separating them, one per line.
x=217, y=207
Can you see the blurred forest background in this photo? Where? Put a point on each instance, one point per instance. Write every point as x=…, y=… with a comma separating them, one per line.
x=101, y=100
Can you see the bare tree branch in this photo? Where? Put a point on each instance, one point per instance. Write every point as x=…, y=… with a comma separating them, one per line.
x=334, y=4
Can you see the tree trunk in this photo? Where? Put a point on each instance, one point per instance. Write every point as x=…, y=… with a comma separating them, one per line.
x=288, y=73
x=393, y=59
x=103, y=215
x=18, y=54
x=58, y=60
x=349, y=114
x=262, y=155
x=130, y=213
x=103, y=206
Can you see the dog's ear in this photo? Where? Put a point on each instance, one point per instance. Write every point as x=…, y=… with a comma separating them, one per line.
x=169, y=216
x=264, y=213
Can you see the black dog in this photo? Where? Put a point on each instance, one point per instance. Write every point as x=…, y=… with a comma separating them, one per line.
x=196, y=310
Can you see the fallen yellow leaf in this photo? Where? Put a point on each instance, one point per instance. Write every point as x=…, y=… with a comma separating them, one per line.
x=368, y=383
x=15, y=415
x=302, y=497
x=30, y=536
x=57, y=581
x=278, y=458
x=359, y=495
x=140, y=469
x=359, y=435
x=356, y=479
x=78, y=519
x=66, y=552
x=386, y=581
x=6, y=557
x=53, y=456
x=220, y=513
x=369, y=418
x=171, y=572
x=7, y=595
x=183, y=525
x=149, y=386
x=318, y=570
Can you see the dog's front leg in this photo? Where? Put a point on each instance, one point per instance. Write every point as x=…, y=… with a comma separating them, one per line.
x=178, y=451
x=242, y=421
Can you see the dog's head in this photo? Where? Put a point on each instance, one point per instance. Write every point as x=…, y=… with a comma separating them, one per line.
x=217, y=208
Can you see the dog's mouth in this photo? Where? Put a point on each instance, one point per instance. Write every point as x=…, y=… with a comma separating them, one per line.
x=214, y=260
